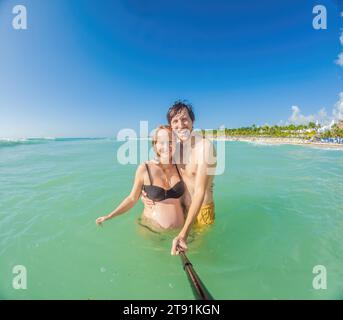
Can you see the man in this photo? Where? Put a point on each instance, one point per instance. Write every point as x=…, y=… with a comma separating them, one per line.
x=197, y=164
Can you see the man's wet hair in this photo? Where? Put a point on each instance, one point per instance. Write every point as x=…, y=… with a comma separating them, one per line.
x=177, y=107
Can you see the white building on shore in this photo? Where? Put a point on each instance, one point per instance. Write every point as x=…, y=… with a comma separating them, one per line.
x=326, y=128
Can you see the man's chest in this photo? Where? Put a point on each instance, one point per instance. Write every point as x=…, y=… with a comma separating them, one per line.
x=188, y=171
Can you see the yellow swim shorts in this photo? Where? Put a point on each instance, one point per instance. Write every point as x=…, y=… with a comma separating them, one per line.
x=206, y=215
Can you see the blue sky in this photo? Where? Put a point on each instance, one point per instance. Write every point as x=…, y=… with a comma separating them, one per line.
x=90, y=68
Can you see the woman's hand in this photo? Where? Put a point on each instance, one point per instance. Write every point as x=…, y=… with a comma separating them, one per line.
x=100, y=220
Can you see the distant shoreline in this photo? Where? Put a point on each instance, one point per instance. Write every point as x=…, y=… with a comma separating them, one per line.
x=277, y=141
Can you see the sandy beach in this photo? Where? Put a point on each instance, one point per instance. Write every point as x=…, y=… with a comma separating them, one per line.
x=276, y=141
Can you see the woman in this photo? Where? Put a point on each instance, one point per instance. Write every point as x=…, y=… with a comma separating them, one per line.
x=162, y=182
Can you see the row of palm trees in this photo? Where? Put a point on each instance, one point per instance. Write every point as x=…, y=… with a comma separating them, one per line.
x=309, y=131
x=335, y=132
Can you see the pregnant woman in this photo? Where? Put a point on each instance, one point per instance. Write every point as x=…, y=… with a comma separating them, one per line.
x=162, y=182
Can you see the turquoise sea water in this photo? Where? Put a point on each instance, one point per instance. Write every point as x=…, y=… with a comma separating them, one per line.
x=279, y=213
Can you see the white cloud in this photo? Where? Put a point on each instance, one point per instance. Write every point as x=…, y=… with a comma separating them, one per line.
x=298, y=118
x=322, y=113
x=339, y=61
x=338, y=109
x=321, y=116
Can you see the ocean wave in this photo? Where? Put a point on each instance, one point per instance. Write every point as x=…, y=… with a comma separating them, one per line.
x=327, y=148
x=78, y=139
x=8, y=142
x=263, y=144
x=11, y=142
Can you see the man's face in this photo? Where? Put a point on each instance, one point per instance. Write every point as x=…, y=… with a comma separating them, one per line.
x=182, y=125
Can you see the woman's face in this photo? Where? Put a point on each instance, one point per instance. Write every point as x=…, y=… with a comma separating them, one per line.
x=165, y=146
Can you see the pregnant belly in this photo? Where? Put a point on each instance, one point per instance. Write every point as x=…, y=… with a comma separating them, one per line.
x=167, y=214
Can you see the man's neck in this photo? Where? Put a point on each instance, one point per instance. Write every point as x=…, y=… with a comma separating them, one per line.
x=186, y=149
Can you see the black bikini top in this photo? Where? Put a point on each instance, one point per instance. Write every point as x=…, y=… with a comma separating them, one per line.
x=157, y=193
